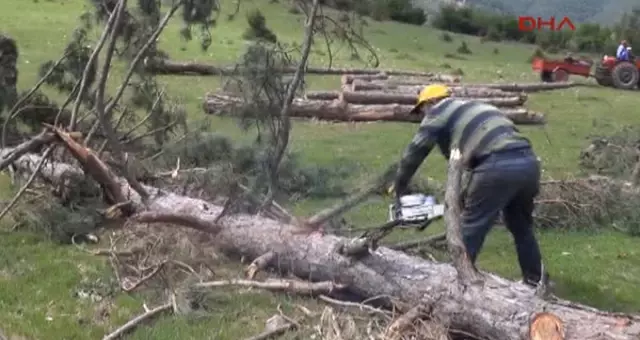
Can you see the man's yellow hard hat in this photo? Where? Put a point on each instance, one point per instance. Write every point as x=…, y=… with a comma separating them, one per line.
x=430, y=93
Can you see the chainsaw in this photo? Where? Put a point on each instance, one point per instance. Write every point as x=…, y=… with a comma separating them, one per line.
x=415, y=210
x=410, y=211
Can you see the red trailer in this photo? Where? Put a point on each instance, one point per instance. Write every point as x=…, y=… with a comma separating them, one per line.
x=559, y=70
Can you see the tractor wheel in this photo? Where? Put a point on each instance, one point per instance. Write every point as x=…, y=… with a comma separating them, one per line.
x=546, y=76
x=560, y=75
x=602, y=75
x=625, y=76
x=606, y=81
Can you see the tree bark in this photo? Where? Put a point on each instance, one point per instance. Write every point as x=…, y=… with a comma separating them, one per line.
x=165, y=66
x=348, y=79
x=339, y=111
x=460, y=91
x=497, y=309
x=417, y=86
x=378, y=98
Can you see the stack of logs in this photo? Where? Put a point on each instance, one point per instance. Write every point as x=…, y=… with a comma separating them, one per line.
x=381, y=97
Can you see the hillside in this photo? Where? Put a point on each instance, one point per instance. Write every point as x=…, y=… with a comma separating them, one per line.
x=602, y=12
x=51, y=290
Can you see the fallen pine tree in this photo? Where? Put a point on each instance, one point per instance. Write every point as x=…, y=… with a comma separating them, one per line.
x=377, y=98
x=480, y=304
x=417, y=86
x=340, y=111
x=165, y=66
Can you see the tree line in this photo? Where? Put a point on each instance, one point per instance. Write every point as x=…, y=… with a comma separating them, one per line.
x=396, y=10
x=587, y=37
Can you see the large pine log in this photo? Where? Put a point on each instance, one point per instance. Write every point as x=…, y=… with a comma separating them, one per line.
x=340, y=111
x=378, y=97
x=164, y=66
x=458, y=90
x=498, y=309
x=350, y=78
x=443, y=78
x=416, y=86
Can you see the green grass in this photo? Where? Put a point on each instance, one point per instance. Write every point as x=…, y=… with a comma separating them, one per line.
x=39, y=278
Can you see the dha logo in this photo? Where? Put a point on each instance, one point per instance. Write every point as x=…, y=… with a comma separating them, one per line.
x=529, y=24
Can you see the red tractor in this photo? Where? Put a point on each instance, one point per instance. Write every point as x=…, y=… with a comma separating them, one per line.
x=619, y=74
x=608, y=72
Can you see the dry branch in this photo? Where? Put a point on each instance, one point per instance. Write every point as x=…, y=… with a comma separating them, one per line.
x=337, y=111
x=279, y=285
x=24, y=188
x=92, y=164
x=260, y=263
x=177, y=219
x=404, y=322
x=381, y=98
x=418, y=243
x=341, y=207
x=499, y=309
x=127, y=327
x=272, y=333
x=164, y=66
x=26, y=147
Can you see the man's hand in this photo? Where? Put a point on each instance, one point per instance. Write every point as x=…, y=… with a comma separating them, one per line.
x=391, y=191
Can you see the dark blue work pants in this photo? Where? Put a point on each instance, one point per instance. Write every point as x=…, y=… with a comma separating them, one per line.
x=505, y=181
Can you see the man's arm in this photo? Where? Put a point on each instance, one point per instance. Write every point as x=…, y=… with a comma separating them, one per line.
x=419, y=148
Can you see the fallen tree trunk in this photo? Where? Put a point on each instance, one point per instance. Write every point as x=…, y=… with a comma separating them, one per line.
x=378, y=98
x=461, y=91
x=417, y=86
x=165, y=66
x=498, y=309
x=348, y=79
x=340, y=111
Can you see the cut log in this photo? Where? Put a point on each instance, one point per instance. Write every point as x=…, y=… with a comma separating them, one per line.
x=443, y=78
x=417, y=86
x=349, y=78
x=340, y=111
x=461, y=91
x=498, y=310
x=164, y=66
x=376, y=98
x=381, y=98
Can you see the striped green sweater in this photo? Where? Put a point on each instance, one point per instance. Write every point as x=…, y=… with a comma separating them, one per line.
x=476, y=128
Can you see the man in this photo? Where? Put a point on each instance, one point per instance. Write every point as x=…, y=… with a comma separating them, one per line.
x=505, y=173
x=622, y=53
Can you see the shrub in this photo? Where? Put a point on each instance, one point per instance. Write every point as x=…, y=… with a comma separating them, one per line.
x=258, y=29
x=463, y=48
x=446, y=37
x=537, y=53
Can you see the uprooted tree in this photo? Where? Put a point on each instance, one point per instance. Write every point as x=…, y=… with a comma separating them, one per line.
x=148, y=169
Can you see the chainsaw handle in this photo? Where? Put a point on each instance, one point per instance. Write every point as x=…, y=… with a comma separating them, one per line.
x=385, y=228
x=424, y=225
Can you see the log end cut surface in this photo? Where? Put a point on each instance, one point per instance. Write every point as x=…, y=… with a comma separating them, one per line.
x=546, y=326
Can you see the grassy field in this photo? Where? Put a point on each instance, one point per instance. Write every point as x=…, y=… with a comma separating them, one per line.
x=39, y=280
